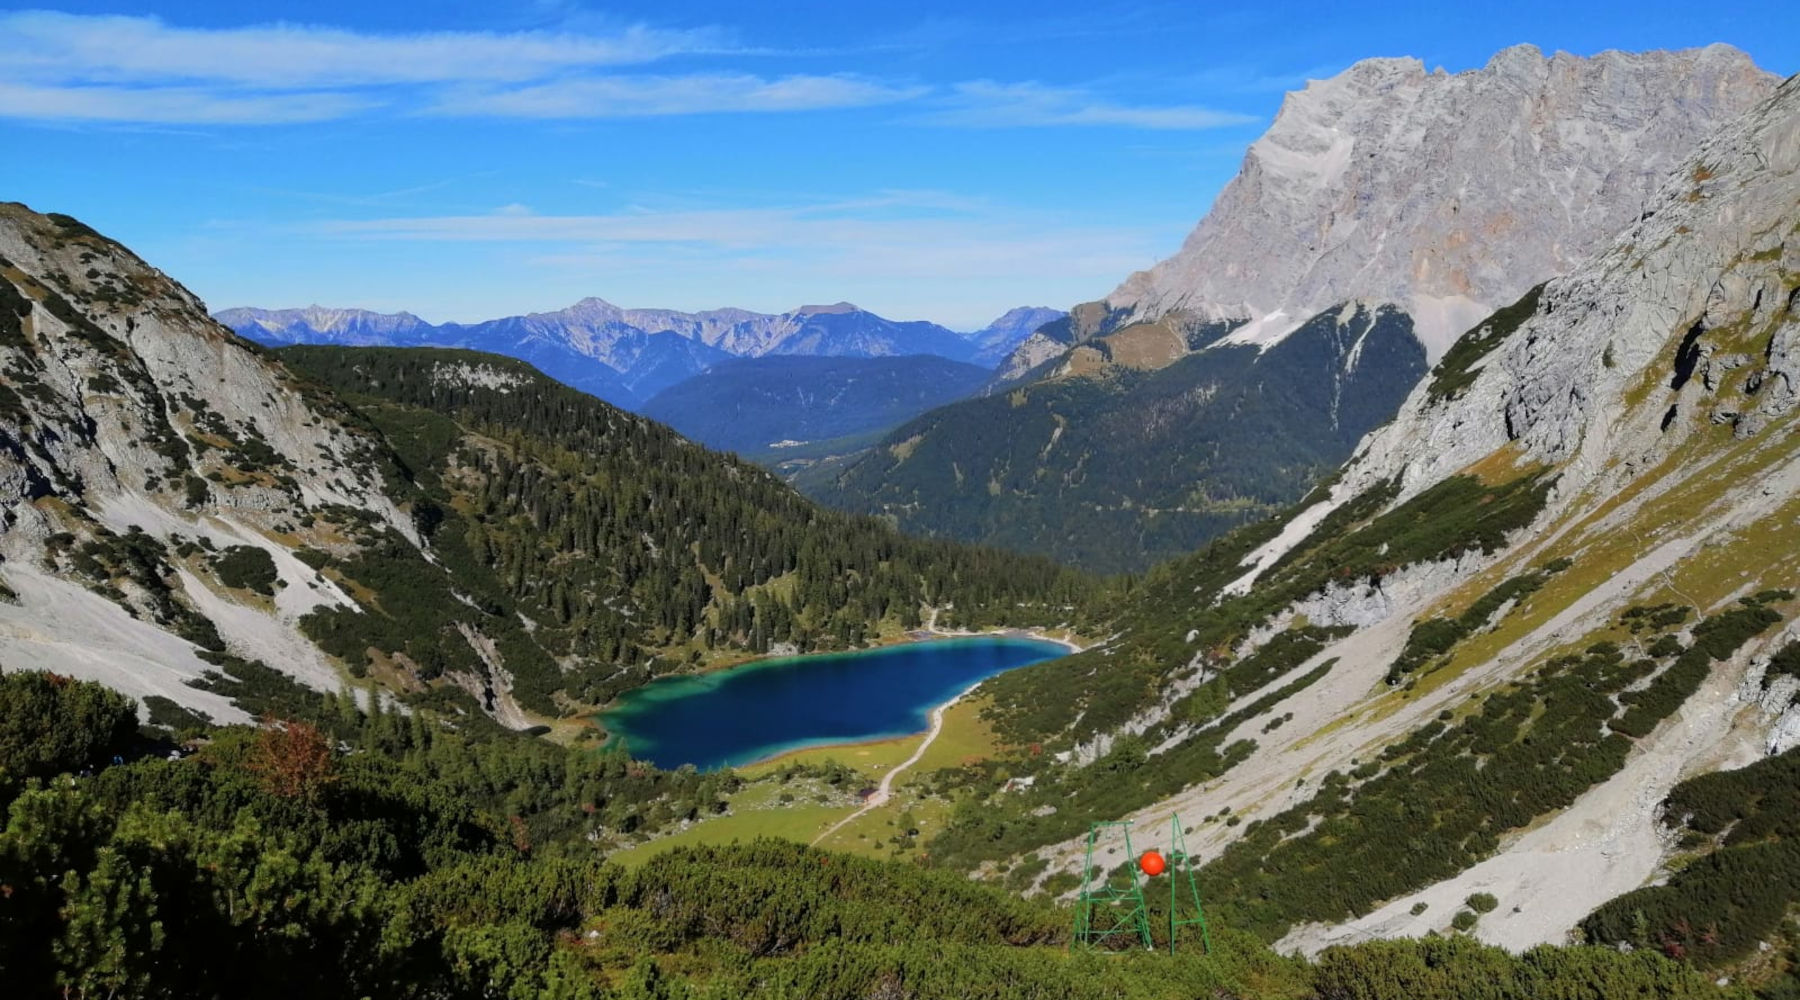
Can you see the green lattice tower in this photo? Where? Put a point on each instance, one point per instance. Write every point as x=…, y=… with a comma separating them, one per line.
x=1181, y=872
x=1106, y=911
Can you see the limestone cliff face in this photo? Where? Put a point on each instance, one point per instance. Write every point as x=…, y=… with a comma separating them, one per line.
x=1688, y=318
x=116, y=384
x=1447, y=195
x=131, y=425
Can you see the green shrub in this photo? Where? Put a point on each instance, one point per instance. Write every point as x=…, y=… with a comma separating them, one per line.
x=246, y=567
x=315, y=558
x=1482, y=902
x=50, y=724
x=1464, y=920
x=169, y=714
x=1720, y=907
x=1666, y=646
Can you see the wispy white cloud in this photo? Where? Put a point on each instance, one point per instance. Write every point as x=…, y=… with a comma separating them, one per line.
x=51, y=46
x=892, y=234
x=701, y=93
x=988, y=104
x=66, y=67
x=170, y=105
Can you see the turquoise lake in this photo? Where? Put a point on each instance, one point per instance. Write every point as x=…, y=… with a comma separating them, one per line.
x=733, y=717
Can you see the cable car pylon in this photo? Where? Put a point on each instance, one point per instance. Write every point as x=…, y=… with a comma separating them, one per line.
x=1181, y=869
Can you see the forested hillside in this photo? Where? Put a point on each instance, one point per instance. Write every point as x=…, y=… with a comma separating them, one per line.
x=295, y=860
x=762, y=408
x=618, y=540
x=1118, y=469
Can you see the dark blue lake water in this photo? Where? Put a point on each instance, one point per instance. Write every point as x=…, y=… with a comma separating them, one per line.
x=733, y=717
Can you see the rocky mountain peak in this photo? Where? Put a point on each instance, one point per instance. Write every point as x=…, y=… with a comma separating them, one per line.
x=592, y=309
x=1020, y=316
x=835, y=309
x=1446, y=194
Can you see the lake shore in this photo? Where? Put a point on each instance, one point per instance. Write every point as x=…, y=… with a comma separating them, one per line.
x=928, y=634
x=896, y=741
x=780, y=755
x=931, y=632
x=885, y=789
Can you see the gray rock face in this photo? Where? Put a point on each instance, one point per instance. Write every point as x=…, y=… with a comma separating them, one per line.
x=1448, y=195
x=1710, y=267
x=120, y=376
x=996, y=340
x=126, y=414
x=319, y=325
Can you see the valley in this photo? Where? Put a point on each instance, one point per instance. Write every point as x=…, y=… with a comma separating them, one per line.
x=1412, y=559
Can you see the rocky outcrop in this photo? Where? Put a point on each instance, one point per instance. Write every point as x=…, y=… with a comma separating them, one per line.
x=136, y=436
x=1692, y=308
x=1447, y=195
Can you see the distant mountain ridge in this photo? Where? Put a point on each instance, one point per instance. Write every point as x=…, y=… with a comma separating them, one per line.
x=626, y=356
x=764, y=407
x=996, y=340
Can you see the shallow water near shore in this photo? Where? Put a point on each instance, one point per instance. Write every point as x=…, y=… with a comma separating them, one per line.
x=766, y=707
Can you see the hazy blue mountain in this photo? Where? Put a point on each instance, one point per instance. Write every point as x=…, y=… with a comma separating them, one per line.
x=626, y=356
x=320, y=325
x=996, y=340
x=761, y=407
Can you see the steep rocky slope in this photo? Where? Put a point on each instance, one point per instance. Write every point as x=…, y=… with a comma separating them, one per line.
x=1560, y=582
x=125, y=408
x=1438, y=198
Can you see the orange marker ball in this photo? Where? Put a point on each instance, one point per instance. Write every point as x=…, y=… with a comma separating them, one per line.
x=1152, y=863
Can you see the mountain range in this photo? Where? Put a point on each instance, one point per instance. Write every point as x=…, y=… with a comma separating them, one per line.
x=1427, y=198
x=627, y=356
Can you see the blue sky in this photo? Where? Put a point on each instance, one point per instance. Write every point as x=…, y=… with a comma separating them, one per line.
x=930, y=160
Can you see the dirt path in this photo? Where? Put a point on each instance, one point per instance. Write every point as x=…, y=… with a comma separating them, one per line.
x=886, y=788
